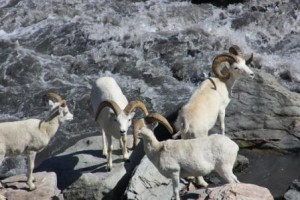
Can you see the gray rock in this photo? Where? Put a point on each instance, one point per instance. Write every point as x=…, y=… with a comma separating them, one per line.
x=231, y=192
x=262, y=108
x=15, y=187
x=82, y=170
x=293, y=192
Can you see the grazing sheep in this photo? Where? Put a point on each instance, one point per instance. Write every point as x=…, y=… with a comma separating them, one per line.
x=210, y=100
x=184, y=158
x=32, y=135
x=114, y=114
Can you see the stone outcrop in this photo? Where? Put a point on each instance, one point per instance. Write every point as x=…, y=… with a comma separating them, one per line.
x=15, y=187
x=262, y=108
x=232, y=192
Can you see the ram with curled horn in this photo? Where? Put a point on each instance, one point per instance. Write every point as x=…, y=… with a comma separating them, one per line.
x=209, y=101
x=30, y=136
x=150, y=119
x=177, y=159
x=114, y=114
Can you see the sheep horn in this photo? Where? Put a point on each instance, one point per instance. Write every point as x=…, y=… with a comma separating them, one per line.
x=55, y=96
x=248, y=61
x=218, y=60
x=155, y=117
x=137, y=125
x=135, y=104
x=235, y=50
x=110, y=103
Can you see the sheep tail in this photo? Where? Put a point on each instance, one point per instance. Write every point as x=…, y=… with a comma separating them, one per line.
x=183, y=129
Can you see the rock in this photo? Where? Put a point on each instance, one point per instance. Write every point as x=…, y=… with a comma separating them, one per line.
x=15, y=187
x=82, y=170
x=293, y=192
x=236, y=191
x=262, y=108
x=148, y=183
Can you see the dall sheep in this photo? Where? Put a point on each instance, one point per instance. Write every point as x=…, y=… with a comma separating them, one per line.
x=210, y=100
x=32, y=135
x=114, y=114
x=184, y=158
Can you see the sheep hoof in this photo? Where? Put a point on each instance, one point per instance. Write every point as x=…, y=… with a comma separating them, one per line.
x=108, y=169
x=32, y=187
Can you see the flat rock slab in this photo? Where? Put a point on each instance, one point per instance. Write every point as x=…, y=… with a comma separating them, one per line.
x=15, y=187
x=236, y=191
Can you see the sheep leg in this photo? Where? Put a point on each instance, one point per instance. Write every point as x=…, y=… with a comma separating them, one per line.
x=175, y=181
x=222, y=121
x=123, y=142
x=201, y=181
x=226, y=173
x=109, y=153
x=104, y=149
x=30, y=166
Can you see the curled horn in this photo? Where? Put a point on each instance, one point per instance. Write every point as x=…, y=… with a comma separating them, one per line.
x=217, y=62
x=57, y=98
x=135, y=104
x=249, y=60
x=235, y=50
x=137, y=125
x=110, y=103
x=149, y=119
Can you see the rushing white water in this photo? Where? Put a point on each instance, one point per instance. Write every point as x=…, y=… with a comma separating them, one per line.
x=157, y=50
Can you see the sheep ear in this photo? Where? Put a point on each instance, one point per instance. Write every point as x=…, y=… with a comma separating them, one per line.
x=51, y=103
x=131, y=115
x=154, y=125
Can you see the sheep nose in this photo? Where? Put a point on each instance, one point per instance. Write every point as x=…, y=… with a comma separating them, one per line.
x=251, y=75
x=122, y=132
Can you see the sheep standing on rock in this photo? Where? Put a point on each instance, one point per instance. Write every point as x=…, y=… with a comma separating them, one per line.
x=32, y=135
x=184, y=158
x=210, y=100
x=114, y=114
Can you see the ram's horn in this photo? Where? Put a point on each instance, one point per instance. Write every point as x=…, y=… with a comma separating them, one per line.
x=137, y=125
x=110, y=103
x=55, y=96
x=226, y=57
x=155, y=117
x=235, y=50
x=135, y=104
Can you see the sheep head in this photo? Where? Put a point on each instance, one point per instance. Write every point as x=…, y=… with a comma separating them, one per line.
x=238, y=66
x=149, y=121
x=122, y=117
x=59, y=108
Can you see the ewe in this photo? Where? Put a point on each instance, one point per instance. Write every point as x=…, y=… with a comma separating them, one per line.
x=32, y=135
x=184, y=158
x=114, y=114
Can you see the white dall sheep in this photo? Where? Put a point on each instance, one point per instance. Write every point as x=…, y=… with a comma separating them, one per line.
x=210, y=100
x=32, y=135
x=191, y=157
x=114, y=114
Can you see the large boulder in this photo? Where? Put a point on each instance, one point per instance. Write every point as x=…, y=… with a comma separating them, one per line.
x=262, y=108
x=15, y=187
x=82, y=170
x=235, y=191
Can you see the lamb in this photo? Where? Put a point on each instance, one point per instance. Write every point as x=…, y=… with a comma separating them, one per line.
x=210, y=100
x=32, y=135
x=184, y=158
x=114, y=114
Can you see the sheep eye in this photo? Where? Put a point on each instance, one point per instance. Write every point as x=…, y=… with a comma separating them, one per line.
x=129, y=120
x=115, y=120
x=236, y=68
